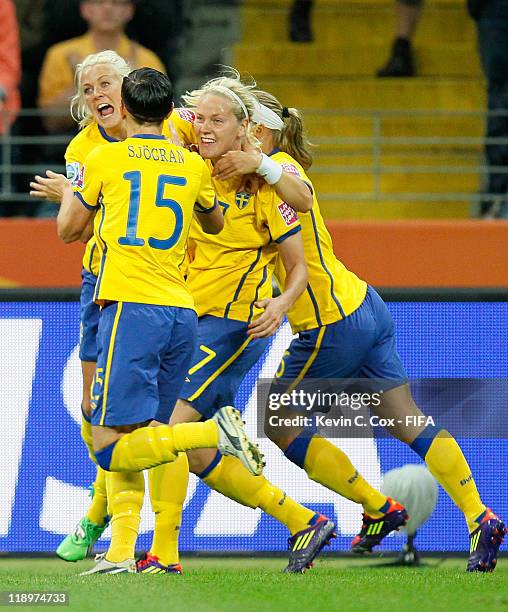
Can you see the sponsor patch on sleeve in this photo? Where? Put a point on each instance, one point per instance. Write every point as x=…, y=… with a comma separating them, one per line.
x=287, y=213
x=291, y=168
x=186, y=114
x=74, y=172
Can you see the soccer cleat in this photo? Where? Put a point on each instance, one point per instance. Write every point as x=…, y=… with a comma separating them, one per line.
x=234, y=441
x=373, y=530
x=484, y=543
x=77, y=544
x=306, y=544
x=150, y=564
x=103, y=566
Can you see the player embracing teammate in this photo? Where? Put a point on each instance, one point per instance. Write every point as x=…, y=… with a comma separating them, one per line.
x=344, y=329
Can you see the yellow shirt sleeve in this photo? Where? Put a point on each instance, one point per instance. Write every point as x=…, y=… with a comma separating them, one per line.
x=90, y=192
x=205, y=201
x=281, y=220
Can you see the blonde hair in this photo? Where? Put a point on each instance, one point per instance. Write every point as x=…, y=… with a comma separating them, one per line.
x=79, y=109
x=291, y=138
x=230, y=86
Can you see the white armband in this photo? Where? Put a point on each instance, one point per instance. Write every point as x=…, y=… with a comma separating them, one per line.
x=270, y=170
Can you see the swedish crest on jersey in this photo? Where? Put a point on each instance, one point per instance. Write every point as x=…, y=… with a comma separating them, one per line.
x=242, y=198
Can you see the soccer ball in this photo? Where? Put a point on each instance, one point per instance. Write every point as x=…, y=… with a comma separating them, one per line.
x=415, y=488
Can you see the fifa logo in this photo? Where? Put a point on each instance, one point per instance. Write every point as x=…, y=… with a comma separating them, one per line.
x=242, y=199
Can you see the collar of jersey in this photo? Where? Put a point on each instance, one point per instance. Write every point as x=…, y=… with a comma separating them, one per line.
x=104, y=134
x=150, y=136
x=276, y=150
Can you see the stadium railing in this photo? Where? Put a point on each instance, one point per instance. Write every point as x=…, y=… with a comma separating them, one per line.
x=422, y=142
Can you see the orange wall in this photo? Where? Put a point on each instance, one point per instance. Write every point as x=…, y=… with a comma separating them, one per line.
x=387, y=254
x=425, y=253
x=32, y=255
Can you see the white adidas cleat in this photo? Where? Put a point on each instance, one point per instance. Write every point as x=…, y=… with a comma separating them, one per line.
x=234, y=441
x=103, y=566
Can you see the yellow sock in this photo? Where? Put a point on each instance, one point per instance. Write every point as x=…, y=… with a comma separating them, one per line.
x=148, y=447
x=86, y=434
x=331, y=467
x=168, y=487
x=98, y=510
x=231, y=478
x=449, y=467
x=125, y=492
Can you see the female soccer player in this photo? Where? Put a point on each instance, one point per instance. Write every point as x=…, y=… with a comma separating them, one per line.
x=346, y=331
x=230, y=279
x=96, y=106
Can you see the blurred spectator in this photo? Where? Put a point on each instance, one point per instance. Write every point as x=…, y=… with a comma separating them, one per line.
x=300, y=29
x=10, y=65
x=106, y=21
x=492, y=25
x=10, y=74
x=400, y=63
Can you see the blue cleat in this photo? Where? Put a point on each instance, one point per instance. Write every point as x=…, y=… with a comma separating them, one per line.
x=150, y=564
x=374, y=530
x=484, y=543
x=305, y=545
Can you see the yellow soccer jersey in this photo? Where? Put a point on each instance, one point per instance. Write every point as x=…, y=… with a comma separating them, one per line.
x=333, y=292
x=179, y=127
x=147, y=189
x=232, y=270
x=77, y=151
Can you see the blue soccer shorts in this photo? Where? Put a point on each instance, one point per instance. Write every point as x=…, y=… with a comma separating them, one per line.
x=362, y=345
x=89, y=317
x=144, y=352
x=223, y=357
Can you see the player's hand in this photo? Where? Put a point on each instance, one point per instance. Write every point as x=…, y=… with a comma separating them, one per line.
x=252, y=184
x=51, y=187
x=268, y=323
x=237, y=163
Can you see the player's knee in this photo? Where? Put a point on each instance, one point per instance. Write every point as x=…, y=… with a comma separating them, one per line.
x=278, y=436
x=103, y=442
x=198, y=461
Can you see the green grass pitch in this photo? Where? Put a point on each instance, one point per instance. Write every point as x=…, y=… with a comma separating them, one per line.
x=257, y=584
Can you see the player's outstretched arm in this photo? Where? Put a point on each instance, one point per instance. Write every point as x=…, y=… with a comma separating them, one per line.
x=211, y=221
x=293, y=258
